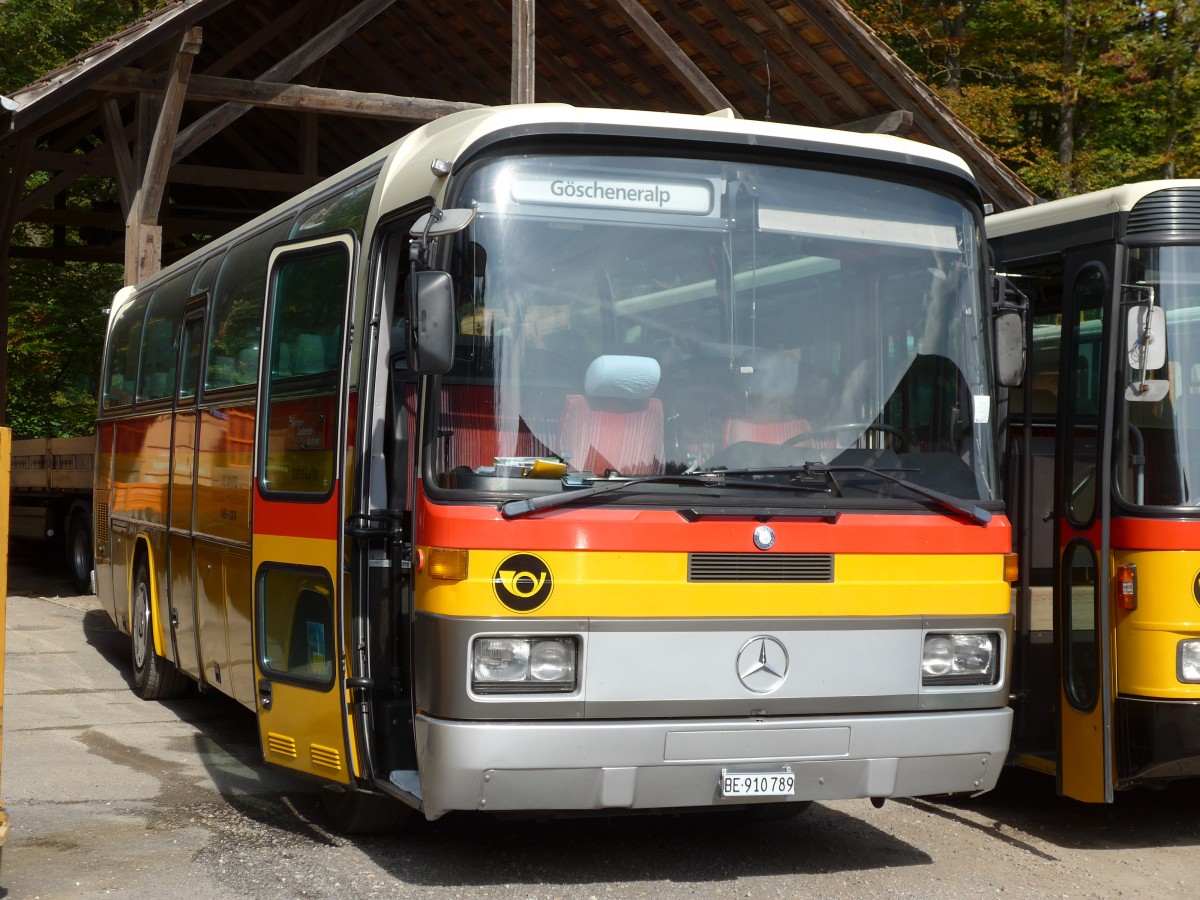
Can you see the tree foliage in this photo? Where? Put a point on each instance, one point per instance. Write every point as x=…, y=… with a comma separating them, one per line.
x=1075, y=95
x=37, y=36
x=56, y=312
x=55, y=336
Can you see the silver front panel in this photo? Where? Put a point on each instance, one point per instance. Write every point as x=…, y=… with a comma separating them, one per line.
x=675, y=764
x=637, y=669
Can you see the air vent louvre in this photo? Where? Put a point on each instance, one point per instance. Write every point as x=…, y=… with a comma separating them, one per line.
x=784, y=568
x=281, y=745
x=1166, y=211
x=101, y=525
x=325, y=757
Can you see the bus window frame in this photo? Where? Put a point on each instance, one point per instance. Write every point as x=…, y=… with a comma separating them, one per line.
x=306, y=247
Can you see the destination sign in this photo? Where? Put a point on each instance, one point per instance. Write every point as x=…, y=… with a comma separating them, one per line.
x=688, y=197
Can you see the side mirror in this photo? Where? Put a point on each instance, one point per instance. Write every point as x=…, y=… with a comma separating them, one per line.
x=1146, y=337
x=429, y=296
x=1009, y=332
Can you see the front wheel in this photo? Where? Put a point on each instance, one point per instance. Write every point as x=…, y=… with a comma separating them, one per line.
x=154, y=678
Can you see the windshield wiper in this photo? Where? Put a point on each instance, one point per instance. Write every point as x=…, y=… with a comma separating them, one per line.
x=715, y=479
x=977, y=513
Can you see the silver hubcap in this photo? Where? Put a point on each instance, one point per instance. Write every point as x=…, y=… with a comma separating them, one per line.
x=141, y=623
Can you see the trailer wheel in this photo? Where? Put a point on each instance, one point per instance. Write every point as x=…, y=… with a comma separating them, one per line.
x=79, y=551
x=154, y=678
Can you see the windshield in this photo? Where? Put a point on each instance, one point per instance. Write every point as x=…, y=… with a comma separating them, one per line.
x=1159, y=462
x=625, y=317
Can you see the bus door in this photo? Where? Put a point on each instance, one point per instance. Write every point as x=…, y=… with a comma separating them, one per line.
x=297, y=508
x=181, y=544
x=1081, y=604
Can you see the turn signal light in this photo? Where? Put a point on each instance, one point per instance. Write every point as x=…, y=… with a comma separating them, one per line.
x=447, y=564
x=1127, y=586
x=1012, y=567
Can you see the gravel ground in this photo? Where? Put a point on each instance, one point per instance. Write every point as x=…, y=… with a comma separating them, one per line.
x=112, y=796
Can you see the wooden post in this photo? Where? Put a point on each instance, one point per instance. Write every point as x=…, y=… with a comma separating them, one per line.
x=522, y=51
x=143, y=234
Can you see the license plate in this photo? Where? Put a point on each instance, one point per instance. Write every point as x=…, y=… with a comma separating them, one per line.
x=758, y=784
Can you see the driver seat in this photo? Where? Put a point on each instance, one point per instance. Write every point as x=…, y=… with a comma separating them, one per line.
x=615, y=424
x=770, y=382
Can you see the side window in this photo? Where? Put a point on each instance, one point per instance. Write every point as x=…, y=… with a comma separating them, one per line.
x=1081, y=369
x=233, y=342
x=160, y=347
x=309, y=291
x=193, y=336
x=1080, y=605
x=295, y=606
x=124, y=347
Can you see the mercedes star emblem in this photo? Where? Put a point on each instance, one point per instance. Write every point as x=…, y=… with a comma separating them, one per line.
x=762, y=664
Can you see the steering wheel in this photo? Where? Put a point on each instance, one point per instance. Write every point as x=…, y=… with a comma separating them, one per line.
x=899, y=439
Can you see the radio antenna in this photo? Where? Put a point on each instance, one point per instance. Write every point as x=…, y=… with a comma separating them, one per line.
x=767, y=63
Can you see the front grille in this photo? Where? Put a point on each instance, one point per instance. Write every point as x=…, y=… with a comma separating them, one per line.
x=783, y=568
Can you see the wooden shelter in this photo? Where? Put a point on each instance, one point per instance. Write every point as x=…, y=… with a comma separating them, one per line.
x=205, y=113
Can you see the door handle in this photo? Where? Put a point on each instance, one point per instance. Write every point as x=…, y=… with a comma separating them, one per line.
x=264, y=694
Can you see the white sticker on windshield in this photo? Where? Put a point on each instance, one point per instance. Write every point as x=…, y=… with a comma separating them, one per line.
x=983, y=408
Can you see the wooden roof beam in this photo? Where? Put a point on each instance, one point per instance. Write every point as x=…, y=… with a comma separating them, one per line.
x=694, y=80
x=280, y=95
x=149, y=196
x=815, y=62
x=781, y=73
x=608, y=78
x=284, y=70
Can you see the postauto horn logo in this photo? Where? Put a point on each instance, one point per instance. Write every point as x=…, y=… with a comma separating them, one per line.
x=523, y=582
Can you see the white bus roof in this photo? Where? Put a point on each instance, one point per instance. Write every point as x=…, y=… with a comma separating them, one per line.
x=448, y=137
x=1075, y=209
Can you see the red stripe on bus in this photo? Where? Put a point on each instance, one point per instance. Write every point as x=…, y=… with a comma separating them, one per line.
x=656, y=531
x=306, y=520
x=1156, y=534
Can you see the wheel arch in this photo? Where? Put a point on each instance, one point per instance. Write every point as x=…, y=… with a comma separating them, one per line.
x=143, y=551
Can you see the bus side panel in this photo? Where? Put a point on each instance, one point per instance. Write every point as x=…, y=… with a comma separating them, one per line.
x=222, y=543
x=102, y=507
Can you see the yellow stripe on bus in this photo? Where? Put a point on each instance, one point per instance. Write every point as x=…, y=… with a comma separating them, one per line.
x=656, y=585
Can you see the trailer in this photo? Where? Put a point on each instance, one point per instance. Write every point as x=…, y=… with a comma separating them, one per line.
x=51, y=500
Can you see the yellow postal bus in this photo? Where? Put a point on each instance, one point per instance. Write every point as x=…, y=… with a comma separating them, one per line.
x=570, y=459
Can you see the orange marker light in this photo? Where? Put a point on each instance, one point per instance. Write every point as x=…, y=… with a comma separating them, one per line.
x=1127, y=586
x=449, y=565
x=1012, y=567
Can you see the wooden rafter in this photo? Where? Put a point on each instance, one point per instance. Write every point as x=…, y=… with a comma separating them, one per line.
x=693, y=79
x=284, y=70
x=148, y=198
x=300, y=97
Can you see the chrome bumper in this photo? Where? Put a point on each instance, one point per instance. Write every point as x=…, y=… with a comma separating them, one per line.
x=496, y=766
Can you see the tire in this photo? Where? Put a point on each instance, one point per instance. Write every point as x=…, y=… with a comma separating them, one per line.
x=361, y=812
x=154, y=678
x=79, y=551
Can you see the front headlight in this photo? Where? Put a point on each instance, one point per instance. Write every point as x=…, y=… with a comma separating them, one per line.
x=960, y=658
x=503, y=665
x=1187, y=666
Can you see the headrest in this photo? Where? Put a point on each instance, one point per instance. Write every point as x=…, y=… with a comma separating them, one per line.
x=622, y=377
x=771, y=373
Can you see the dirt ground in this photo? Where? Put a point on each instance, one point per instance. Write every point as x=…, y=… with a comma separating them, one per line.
x=113, y=796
